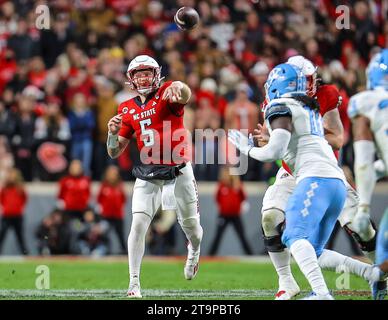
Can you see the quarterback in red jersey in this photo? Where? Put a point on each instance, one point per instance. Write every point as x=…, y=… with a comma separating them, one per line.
x=165, y=178
x=276, y=197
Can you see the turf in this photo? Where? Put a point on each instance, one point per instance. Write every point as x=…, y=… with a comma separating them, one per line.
x=161, y=279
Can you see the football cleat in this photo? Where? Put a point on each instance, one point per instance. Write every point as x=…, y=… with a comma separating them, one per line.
x=286, y=294
x=192, y=263
x=378, y=289
x=287, y=290
x=314, y=296
x=134, y=291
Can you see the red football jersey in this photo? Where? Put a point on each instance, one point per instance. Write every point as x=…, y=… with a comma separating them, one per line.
x=328, y=98
x=158, y=124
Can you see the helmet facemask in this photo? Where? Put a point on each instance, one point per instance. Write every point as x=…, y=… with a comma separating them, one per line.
x=312, y=81
x=148, y=82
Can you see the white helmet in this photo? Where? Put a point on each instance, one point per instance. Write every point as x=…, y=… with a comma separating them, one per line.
x=309, y=70
x=144, y=62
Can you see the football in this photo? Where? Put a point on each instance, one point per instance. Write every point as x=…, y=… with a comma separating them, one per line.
x=186, y=18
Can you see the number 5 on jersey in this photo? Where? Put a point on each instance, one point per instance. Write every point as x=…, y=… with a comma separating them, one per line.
x=147, y=134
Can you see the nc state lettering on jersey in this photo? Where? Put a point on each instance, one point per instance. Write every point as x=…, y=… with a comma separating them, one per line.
x=144, y=114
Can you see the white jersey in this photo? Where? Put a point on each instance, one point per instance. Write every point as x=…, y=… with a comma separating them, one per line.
x=308, y=153
x=373, y=104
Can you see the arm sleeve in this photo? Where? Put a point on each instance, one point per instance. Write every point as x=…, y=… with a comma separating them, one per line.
x=275, y=149
x=175, y=108
x=329, y=98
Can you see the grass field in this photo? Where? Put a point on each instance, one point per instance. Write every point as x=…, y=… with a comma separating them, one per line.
x=74, y=278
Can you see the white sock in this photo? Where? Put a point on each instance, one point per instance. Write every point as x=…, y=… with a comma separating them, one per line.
x=281, y=262
x=306, y=258
x=136, y=244
x=364, y=170
x=335, y=261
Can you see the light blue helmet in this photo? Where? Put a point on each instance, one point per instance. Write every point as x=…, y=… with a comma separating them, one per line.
x=285, y=78
x=377, y=71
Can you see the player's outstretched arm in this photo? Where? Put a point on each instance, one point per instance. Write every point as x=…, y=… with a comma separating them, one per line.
x=115, y=144
x=334, y=130
x=177, y=92
x=277, y=144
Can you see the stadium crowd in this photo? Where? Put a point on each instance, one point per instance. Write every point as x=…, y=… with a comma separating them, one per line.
x=60, y=86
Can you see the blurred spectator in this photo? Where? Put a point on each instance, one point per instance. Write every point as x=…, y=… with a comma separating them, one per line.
x=13, y=199
x=54, y=40
x=74, y=192
x=153, y=23
x=241, y=113
x=7, y=122
x=82, y=122
x=52, y=136
x=111, y=199
x=105, y=109
x=53, y=235
x=20, y=79
x=222, y=32
x=93, y=238
x=21, y=42
x=6, y=157
x=23, y=140
x=259, y=73
x=230, y=198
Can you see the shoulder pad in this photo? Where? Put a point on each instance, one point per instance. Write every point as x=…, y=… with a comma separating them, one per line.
x=277, y=109
x=356, y=104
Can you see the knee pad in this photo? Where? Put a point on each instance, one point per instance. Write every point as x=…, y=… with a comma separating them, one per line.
x=140, y=222
x=271, y=220
x=274, y=243
x=190, y=223
x=365, y=245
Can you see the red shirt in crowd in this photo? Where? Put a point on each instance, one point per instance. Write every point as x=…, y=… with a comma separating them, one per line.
x=112, y=201
x=12, y=200
x=75, y=192
x=229, y=200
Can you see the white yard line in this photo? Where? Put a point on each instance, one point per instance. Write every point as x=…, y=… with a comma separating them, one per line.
x=147, y=293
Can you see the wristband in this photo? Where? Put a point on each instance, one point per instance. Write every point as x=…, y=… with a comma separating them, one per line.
x=113, y=141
